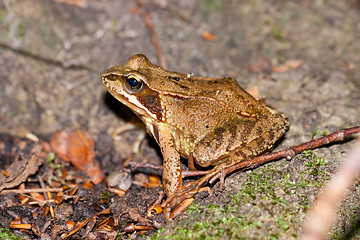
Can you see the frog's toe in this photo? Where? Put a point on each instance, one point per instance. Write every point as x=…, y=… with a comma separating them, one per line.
x=155, y=206
x=180, y=208
x=177, y=203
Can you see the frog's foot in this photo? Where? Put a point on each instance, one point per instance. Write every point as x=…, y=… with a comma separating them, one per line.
x=176, y=203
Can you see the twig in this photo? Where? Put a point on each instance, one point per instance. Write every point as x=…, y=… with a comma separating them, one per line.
x=146, y=16
x=159, y=167
x=37, y=190
x=289, y=153
x=145, y=165
x=322, y=212
x=82, y=224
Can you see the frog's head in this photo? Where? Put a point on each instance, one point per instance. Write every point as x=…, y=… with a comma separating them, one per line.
x=129, y=84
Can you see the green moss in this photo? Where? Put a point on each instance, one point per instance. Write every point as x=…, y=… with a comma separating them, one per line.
x=213, y=5
x=21, y=31
x=271, y=204
x=50, y=157
x=8, y=235
x=317, y=132
x=226, y=225
x=106, y=197
x=314, y=164
x=277, y=33
x=2, y=14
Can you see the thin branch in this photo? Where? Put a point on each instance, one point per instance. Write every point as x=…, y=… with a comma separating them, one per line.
x=146, y=16
x=289, y=153
x=322, y=213
x=159, y=167
x=37, y=190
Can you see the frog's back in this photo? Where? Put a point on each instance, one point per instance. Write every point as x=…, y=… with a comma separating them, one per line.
x=225, y=91
x=229, y=93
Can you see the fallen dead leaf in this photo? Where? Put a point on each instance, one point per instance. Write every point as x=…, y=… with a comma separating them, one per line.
x=37, y=196
x=20, y=170
x=151, y=181
x=79, y=3
x=117, y=191
x=21, y=226
x=87, y=184
x=59, y=144
x=19, y=158
x=262, y=65
x=288, y=66
x=70, y=224
x=208, y=36
x=77, y=147
x=154, y=181
x=254, y=91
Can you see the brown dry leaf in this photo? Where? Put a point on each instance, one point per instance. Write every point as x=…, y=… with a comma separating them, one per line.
x=87, y=184
x=6, y=174
x=20, y=170
x=151, y=181
x=117, y=191
x=288, y=65
x=262, y=65
x=94, y=172
x=37, y=196
x=70, y=224
x=208, y=36
x=154, y=181
x=79, y=3
x=59, y=197
x=81, y=149
x=21, y=226
x=78, y=148
x=19, y=158
x=254, y=91
x=59, y=144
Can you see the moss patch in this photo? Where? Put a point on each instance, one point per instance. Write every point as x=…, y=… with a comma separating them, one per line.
x=8, y=235
x=271, y=204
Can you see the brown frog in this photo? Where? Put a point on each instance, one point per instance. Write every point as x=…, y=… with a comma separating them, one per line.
x=206, y=120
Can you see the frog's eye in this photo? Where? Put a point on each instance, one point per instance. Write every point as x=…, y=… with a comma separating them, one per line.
x=134, y=84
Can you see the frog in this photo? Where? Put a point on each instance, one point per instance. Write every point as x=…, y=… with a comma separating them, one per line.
x=212, y=122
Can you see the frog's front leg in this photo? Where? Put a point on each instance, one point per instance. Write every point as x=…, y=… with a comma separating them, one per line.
x=171, y=176
x=178, y=196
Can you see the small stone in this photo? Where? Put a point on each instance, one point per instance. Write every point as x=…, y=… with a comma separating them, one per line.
x=121, y=179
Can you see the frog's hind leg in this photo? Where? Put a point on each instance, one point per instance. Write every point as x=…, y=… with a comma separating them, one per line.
x=252, y=145
x=242, y=137
x=174, y=204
